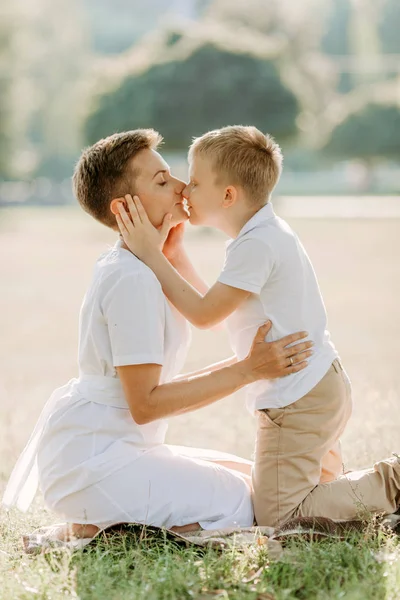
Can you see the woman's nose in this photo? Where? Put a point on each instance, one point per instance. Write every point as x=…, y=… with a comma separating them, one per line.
x=180, y=187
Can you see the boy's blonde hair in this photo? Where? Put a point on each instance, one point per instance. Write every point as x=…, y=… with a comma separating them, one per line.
x=242, y=156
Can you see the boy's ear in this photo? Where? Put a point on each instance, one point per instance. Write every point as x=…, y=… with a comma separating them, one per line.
x=230, y=197
x=114, y=205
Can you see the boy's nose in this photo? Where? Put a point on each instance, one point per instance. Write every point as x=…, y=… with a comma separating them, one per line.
x=186, y=191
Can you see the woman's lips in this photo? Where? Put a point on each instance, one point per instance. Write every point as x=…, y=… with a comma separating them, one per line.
x=185, y=205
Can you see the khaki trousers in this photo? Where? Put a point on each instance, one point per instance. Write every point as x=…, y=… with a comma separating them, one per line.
x=297, y=447
x=291, y=450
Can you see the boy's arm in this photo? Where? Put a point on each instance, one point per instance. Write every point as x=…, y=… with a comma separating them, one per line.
x=175, y=252
x=182, y=263
x=185, y=268
x=146, y=242
x=203, y=311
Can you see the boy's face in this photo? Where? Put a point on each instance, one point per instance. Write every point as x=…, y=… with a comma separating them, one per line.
x=204, y=196
x=159, y=192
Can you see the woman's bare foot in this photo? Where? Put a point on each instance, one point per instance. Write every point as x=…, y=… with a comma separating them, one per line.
x=67, y=531
x=186, y=528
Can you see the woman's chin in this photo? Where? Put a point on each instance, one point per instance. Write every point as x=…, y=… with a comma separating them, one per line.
x=179, y=215
x=177, y=219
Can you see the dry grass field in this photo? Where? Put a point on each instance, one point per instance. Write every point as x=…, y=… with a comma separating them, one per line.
x=46, y=257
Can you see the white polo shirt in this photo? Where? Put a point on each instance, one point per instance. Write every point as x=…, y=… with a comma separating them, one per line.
x=268, y=260
x=125, y=319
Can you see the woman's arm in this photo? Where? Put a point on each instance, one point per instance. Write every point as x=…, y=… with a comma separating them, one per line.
x=149, y=401
x=210, y=369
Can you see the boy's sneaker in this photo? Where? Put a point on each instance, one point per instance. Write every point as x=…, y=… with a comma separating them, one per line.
x=398, y=460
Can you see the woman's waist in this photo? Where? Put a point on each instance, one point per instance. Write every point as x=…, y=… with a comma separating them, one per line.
x=92, y=404
x=101, y=390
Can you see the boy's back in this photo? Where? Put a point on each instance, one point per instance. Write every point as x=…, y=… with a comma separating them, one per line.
x=268, y=260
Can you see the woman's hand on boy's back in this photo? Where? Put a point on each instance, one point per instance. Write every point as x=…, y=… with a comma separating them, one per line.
x=271, y=360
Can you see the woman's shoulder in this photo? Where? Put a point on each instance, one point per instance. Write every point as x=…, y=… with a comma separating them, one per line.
x=118, y=263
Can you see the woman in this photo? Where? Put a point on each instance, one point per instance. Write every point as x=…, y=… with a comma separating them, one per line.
x=98, y=449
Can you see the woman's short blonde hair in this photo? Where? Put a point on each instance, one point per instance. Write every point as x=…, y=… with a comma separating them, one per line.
x=244, y=156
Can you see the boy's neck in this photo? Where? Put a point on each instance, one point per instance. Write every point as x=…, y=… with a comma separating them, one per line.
x=235, y=220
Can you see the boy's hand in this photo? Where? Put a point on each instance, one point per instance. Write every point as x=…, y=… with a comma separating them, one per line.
x=141, y=237
x=270, y=360
x=173, y=247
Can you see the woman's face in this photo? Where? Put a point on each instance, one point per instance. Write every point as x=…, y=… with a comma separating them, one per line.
x=159, y=192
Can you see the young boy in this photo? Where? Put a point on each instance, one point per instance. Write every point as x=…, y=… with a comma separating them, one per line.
x=267, y=275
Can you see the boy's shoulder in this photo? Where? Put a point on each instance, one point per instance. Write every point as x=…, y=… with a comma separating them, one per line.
x=265, y=228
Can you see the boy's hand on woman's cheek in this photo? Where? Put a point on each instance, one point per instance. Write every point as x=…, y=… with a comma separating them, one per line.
x=139, y=234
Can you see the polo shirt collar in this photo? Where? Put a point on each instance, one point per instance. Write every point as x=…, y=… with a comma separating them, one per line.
x=265, y=213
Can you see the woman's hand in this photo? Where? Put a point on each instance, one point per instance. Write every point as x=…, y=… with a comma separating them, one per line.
x=141, y=237
x=270, y=360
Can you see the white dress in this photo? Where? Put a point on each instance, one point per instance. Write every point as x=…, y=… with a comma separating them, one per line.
x=94, y=464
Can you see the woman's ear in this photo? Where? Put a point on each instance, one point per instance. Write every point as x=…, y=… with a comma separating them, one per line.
x=230, y=197
x=114, y=205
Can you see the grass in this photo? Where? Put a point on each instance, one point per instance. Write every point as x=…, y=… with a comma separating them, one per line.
x=47, y=255
x=361, y=567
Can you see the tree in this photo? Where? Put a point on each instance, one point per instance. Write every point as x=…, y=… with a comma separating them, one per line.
x=210, y=89
x=256, y=14
x=115, y=25
x=390, y=26
x=6, y=83
x=372, y=133
x=337, y=39
x=44, y=72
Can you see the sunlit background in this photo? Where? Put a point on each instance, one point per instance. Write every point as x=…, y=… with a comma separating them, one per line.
x=322, y=76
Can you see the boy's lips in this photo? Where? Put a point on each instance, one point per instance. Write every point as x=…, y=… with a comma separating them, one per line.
x=186, y=206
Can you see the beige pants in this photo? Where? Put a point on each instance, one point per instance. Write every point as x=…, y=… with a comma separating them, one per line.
x=298, y=447
x=292, y=449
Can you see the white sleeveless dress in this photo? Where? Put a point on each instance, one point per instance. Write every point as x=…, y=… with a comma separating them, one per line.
x=93, y=463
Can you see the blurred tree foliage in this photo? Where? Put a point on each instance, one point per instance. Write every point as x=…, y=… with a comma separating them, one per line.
x=256, y=14
x=209, y=89
x=389, y=27
x=6, y=85
x=115, y=25
x=46, y=64
x=336, y=38
x=57, y=56
x=55, y=72
x=369, y=134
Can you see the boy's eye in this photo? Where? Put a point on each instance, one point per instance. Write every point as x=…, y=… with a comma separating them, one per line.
x=162, y=183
